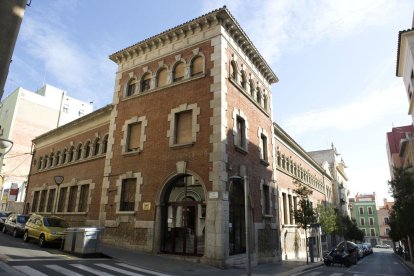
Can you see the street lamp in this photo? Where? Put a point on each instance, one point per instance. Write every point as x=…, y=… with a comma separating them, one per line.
x=58, y=180
x=5, y=145
x=246, y=218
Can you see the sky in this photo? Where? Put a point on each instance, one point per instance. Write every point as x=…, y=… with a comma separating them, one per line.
x=335, y=61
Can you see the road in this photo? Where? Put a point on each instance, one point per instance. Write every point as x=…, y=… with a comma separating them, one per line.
x=382, y=263
x=30, y=259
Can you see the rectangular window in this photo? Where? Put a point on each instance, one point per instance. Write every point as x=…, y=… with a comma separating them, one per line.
x=73, y=192
x=361, y=210
x=386, y=221
x=362, y=220
x=263, y=152
x=372, y=232
x=83, y=198
x=42, y=201
x=183, y=127
x=62, y=199
x=65, y=108
x=285, y=211
x=364, y=231
x=241, y=132
x=134, y=136
x=35, y=201
x=266, y=199
x=290, y=209
x=369, y=210
x=81, y=112
x=128, y=190
x=371, y=221
x=50, y=200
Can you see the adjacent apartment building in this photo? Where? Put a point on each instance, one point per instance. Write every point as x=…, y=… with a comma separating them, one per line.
x=364, y=209
x=25, y=115
x=383, y=222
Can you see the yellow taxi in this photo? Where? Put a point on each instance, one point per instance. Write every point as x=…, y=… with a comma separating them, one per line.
x=45, y=229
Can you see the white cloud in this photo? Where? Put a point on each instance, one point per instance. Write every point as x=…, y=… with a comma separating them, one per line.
x=285, y=25
x=351, y=116
x=69, y=63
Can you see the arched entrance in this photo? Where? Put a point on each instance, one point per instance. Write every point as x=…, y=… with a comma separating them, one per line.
x=237, y=226
x=183, y=216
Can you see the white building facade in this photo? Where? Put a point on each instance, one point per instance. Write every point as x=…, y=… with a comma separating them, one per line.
x=25, y=115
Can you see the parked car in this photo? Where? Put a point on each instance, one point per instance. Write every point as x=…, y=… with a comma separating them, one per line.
x=367, y=248
x=14, y=224
x=3, y=216
x=360, y=251
x=45, y=229
x=352, y=250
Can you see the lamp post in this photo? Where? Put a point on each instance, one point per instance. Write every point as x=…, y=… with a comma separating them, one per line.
x=5, y=145
x=246, y=219
x=58, y=180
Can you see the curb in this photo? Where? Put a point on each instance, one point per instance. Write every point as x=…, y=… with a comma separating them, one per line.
x=407, y=264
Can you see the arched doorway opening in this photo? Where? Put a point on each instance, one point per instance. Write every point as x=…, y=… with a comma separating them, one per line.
x=237, y=225
x=183, y=216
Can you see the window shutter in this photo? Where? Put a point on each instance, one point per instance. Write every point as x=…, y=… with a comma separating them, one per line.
x=162, y=78
x=179, y=71
x=184, y=127
x=134, y=138
x=197, y=66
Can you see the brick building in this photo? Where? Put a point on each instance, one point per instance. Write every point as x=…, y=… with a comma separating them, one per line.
x=191, y=110
x=294, y=164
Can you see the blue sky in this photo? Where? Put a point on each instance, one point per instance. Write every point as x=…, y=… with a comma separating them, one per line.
x=335, y=61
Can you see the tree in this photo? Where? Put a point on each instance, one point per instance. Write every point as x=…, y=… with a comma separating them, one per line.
x=351, y=230
x=402, y=215
x=305, y=215
x=327, y=218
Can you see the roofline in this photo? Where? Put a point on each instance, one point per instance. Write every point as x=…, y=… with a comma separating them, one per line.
x=296, y=146
x=400, y=33
x=220, y=16
x=91, y=115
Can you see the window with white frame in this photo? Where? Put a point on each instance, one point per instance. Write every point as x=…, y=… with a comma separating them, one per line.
x=240, y=130
x=266, y=199
x=362, y=221
x=263, y=147
x=361, y=210
x=128, y=191
x=134, y=134
x=372, y=230
x=35, y=201
x=183, y=125
x=83, y=198
x=371, y=221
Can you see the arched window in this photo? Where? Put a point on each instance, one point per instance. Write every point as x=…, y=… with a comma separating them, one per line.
x=87, y=149
x=72, y=154
x=243, y=79
x=45, y=161
x=65, y=156
x=258, y=96
x=79, y=152
x=146, y=82
x=265, y=102
x=197, y=66
x=252, y=88
x=162, y=77
x=57, y=158
x=178, y=72
x=96, y=145
x=51, y=160
x=105, y=144
x=132, y=85
x=233, y=70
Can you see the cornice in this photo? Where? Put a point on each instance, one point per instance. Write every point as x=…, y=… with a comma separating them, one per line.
x=398, y=72
x=283, y=136
x=221, y=17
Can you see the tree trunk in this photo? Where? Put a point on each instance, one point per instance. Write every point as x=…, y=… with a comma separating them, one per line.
x=410, y=246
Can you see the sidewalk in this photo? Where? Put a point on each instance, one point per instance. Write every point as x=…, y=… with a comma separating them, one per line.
x=170, y=264
x=408, y=264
